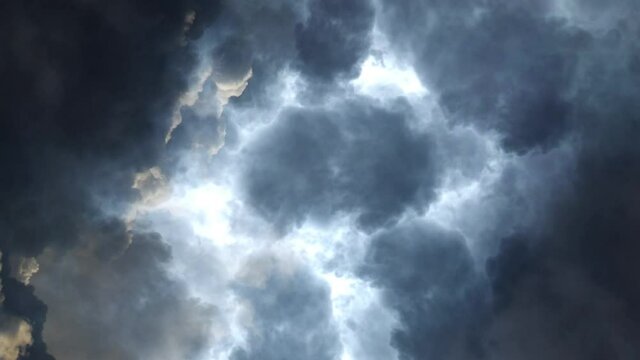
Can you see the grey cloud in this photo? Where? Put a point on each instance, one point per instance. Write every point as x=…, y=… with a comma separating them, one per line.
x=20, y=306
x=576, y=271
x=91, y=90
x=502, y=66
x=88, y=89
x=269, y=29
x=126, y=308
x=290, y=314
x=428, y=277
x=566, y=218
x=356, y=157
x=325, y=41
x=89, y=109
x=547, y=307
x=198, y=131
x=15, y=333
x=201, y=127
x=231, y=59
x=335, y=38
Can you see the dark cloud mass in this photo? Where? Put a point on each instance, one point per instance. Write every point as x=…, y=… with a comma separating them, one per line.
x=565, y=288
x=498, y=65
x=291, y=314
x=86, y=89
x=335, y=37
x=357, y=157
x=429, y=277
x=493, y=213
x=155, y=320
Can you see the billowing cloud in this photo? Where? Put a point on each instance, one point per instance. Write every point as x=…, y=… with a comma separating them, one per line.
x=127, y=308
x=313, y=163
x=502, y=66
x=88, y=91
x=288, y=312
x=15, y=333
x=428, y=276
x=320, y=179
x=335, y=37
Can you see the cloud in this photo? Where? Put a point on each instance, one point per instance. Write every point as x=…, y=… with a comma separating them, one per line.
x=92, y=86
x=126, y=308
x=567, y=214
x=428, y=277
x=457, y=178
x=24, y=315
x=354, y=157
x=15, y=333
x=501, y=66
x=334, y=38
x=575, y=271
x=196, y=123
x=288, y=311
x=15, y=336
x=500, y=221
x=546, y=306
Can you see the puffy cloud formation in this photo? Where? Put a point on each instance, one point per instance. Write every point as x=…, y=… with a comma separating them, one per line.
x=499, y=65
x=320, y=179
x=288, y=311
x=313, y=163
x=155, y=319
x=427, y=275
x=88, y=88
x=15, y=333
x=14, y=337
x=335, y=37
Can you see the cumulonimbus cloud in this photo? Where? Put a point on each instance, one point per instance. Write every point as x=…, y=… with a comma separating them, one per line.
x=417, y=179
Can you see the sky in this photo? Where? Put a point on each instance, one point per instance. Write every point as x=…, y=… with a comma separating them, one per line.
x=319, y=179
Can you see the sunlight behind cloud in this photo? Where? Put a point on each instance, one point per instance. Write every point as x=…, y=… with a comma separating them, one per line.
x=382, y=77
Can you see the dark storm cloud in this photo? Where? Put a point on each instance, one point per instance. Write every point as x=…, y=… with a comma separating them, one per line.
x=583, y=268
x=498, y=65
x=87, y=91
x=335, y=38
x=428, y=277
x=90, y=86
x=127, y=308
x=20, y=303
x=201, y=126
x=547, y=307
x=290, y=313
x=324, y=40
x=231, y=59
x=269, y=30
x=356, y=157
x=578, y=271
x=565, y=285
x=198, y=130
